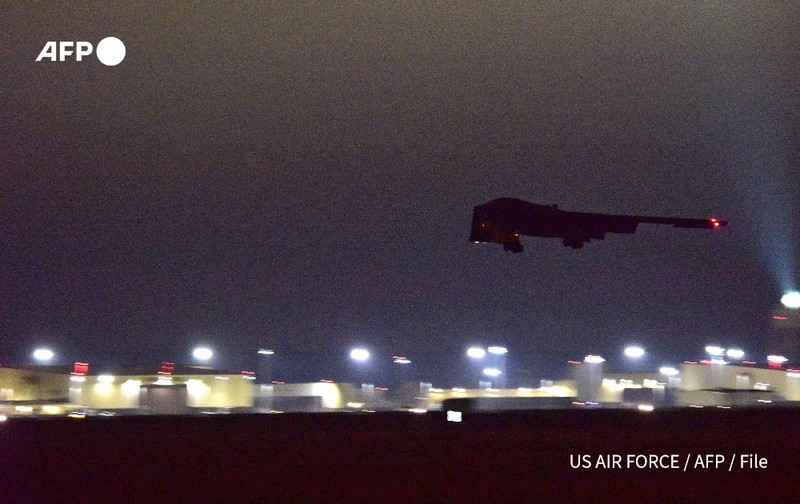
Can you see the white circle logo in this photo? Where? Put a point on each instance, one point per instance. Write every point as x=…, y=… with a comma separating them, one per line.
x=110, y=51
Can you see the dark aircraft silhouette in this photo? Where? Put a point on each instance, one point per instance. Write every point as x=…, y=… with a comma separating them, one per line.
x=502, y=221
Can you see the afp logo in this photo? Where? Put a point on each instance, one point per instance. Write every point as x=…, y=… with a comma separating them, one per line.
x=110, y=51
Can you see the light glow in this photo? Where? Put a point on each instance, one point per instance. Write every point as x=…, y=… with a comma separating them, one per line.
x=593, y=359
x=645, y=407
x=43, y=354
x=791, y=300
x=634, y=352
x=476, y=353
x=735, y=353
x=359, y=354
x=105, y=379
x=715, y=350
x=669, y=371
x=492, y=372
x=497, y=350
x=266, y=352
x=202, y=353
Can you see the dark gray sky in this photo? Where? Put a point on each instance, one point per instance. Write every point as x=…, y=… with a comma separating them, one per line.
x=301, y=175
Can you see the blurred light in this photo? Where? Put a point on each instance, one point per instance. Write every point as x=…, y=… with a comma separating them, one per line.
x=435, y=390
x=359, y=354
x=593, y=359
x=735, y=353
x=458, y=390
x=497, y=350
x=399, y=359
x=78, y=379
x=23, y=409
x=669, y=371
x=3, y=418
x=51, y=409
x=715, y=350
x=222, y=377
x=634, y=352
x=77, y=414
x=266, y=352
x=453, y=416
x=356, y=405
x=418, y=410
x=43, y=354
x=776, y=359
x=476, y=353
x=492, y=372
x=791, y=300
x=202, y=353
x=645, y=407
x=105, y=378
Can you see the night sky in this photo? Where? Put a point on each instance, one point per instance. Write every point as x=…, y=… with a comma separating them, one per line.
x=301, y=176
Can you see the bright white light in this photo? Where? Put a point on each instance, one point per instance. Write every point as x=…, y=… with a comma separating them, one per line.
x=202, y=353
x=3, y=418
x=634, y=352
x=418, y=411
x=669, y=371
x=791, y=300
x=359, y=354
x=266, y=352
x=476, y=352
x=497, y=350
x=645, y=407
x=43, y=354
x=402, y=361
x=593, y=359
x=715, y=350
x=454, y=416
x=776, y=359
x=104, y=378
x=77, y=379
x=492, y=372
x=735, y=353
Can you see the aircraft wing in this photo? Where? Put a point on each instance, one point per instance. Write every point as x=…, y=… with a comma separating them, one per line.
x=503, y=220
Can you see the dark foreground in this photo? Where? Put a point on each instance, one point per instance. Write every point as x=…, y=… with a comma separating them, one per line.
x=402, y=457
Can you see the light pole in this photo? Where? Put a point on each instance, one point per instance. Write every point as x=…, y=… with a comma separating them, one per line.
x=361, y=356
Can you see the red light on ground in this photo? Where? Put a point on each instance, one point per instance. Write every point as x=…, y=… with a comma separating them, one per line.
x=573, y=362
x=780, y=317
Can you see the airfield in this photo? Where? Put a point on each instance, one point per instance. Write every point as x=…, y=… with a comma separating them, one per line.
x=587, y=455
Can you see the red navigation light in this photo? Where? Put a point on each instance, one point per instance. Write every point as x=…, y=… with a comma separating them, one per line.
x=715, y=223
